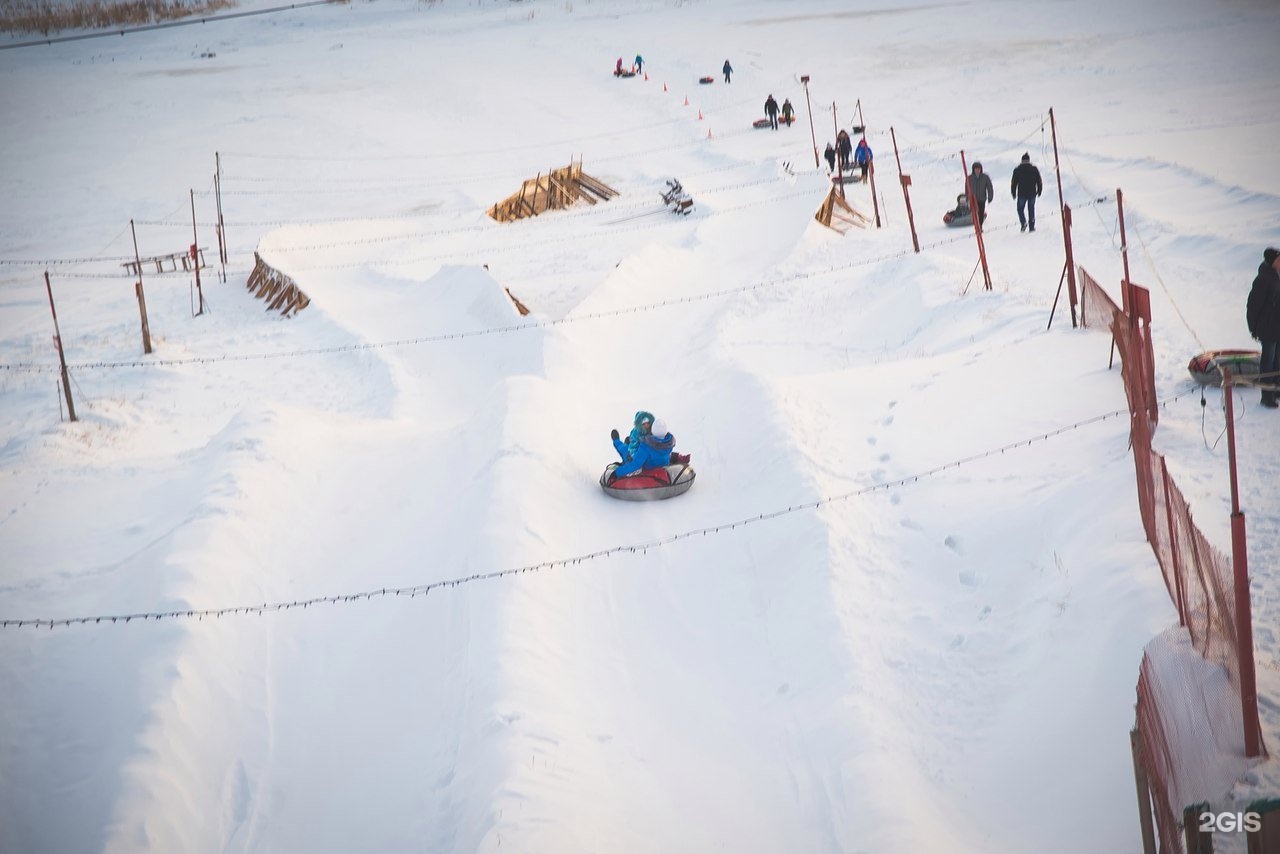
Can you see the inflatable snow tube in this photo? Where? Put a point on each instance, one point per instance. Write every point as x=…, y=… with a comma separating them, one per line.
x=958, y=218
x=1206, y=368
x=705, y=80
x=649, y=484
x=761, y=123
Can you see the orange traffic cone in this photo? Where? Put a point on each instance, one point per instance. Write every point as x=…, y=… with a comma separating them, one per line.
x=646, y=77
x=699, y=114
x=708, y=133
x=664, y=87
x=686, y=100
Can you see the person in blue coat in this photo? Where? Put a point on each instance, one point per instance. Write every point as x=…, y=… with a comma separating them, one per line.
x=648, y=447
x=862, y=157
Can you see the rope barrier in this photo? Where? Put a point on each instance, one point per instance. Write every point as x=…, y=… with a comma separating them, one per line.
x=32, y=367
x=643, y=547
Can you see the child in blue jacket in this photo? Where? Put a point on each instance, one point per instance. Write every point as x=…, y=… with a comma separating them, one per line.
x=649, y=445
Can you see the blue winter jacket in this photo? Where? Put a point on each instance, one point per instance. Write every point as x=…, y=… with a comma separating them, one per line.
x=862, y=154
x=647, y=453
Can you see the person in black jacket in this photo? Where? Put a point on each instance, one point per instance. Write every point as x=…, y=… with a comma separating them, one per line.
x=728, y=69
x=771, y=110
x=1025, y=186
x=1263, y=315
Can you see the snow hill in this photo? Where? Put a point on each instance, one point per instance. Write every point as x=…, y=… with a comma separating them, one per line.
x=901, y=610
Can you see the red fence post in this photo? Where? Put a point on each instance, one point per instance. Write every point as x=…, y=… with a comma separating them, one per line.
x=1066, y=225
x=1180, y=599
x=905, y=180
x=1244, y=607
x=977, y=222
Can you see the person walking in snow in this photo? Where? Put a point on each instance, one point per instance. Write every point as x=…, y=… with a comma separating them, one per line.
x=862, y=157
x=844, y=149
x=1025, y=186
x=1263, y=315
x=649, y=446
x=617, y=69
x=639, y=66
x=771, y=110
x=728, y=69
x=980, y=191
x=830, y=154
x=788, y=112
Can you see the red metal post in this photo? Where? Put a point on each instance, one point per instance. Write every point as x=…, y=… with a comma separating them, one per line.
x=840, y=161
x=1124, y=251
x=1066, y=222
x=977, y=222
x=905, y=180
x=1179, y=598
x=871, y=167
x=195, y=244
x=812, y=136
x=1244, y=607
x=62, y=359
x=1140, y=319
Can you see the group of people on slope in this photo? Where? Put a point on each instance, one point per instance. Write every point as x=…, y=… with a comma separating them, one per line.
x=650, y=445
x=844, y=152
x=1025, y=187
x=771, y=111
x=637, y=67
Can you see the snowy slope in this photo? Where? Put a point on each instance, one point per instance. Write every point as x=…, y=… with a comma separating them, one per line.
x=946, y=663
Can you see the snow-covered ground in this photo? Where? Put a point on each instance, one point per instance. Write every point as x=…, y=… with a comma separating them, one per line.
x=943, y=664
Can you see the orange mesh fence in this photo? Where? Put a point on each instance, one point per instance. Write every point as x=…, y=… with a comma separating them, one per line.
x=1191, y=742
x=1190, y=711
x=1097, y=310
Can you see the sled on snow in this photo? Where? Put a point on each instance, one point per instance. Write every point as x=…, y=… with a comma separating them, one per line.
x=705, y=80
x=761, y=123
x=623, y=73
x=960, y=215
x=1206, y=368
x=648, y=484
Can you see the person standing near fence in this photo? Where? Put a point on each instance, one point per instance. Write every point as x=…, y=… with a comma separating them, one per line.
x=1025, y=186
x=982, y=192
x=1263, y=315
x=771, y=112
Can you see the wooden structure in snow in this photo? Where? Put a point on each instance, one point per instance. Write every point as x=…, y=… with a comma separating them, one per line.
x=838, y=214
x=281, y=292
x=559, y=188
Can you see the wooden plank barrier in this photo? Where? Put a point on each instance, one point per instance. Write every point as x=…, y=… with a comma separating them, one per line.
x=558, y=189
x=279, y=291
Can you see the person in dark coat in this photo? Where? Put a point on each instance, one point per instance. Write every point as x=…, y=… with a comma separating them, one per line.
x=728, y=69
x=1263, y=315
x=830, y=154
x=771, y=110
x=1025, y=186
x=844, y=149
x=788, y=112
x=981, y=191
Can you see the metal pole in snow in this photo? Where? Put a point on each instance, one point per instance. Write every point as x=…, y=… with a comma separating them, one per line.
x=905, y=180
x=62, y=359
x=195, y=251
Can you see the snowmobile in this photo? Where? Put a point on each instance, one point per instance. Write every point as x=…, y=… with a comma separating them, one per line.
x=961, y=215
x=650, y=484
